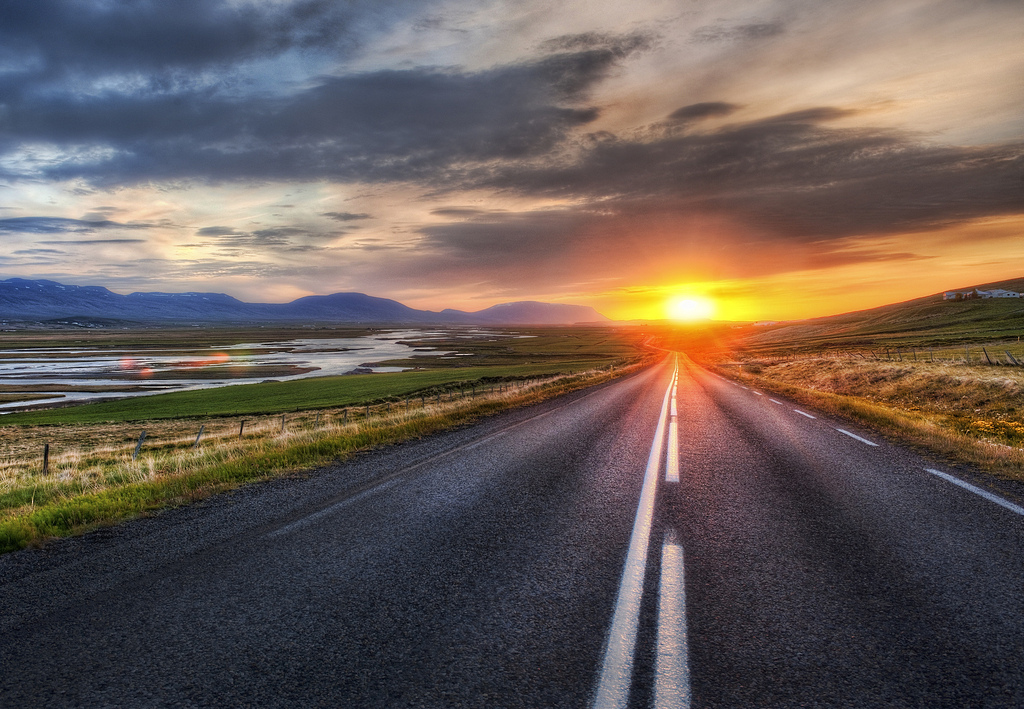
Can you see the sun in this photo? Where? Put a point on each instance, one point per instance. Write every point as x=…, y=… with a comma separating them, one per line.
x=688, y=308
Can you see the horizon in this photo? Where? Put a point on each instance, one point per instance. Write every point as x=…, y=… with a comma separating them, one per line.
x=669, y=318
x=744, y=160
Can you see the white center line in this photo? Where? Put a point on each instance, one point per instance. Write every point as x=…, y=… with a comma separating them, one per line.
x=672, y=666
x=617, y=667
x=978, y=491
x=672, y=459
x=804, y=413
x=854, y=435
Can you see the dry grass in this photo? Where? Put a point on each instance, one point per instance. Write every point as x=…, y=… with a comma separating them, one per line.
x=967, y=413
x=93, y=479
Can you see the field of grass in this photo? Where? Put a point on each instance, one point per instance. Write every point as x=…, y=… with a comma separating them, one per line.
x=970, y=415
x=252, y=432
x=279, y=397
x=943, y=376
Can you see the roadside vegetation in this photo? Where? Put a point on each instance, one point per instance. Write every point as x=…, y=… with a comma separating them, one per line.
x=947, y=377
x=200, y=443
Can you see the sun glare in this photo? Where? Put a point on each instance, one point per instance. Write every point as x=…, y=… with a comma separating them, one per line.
x=691, y=308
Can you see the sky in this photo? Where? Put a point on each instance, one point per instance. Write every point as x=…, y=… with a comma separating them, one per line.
x=781, y=158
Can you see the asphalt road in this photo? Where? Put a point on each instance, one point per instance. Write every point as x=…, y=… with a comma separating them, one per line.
x=542, y=559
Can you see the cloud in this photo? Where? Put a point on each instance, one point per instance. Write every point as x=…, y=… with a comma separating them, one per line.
x=345, y=216
x=281, y=238
x=788, y=174
x=91, y=242
x=393, y=125
x=61, y=225
x=56, y=38
x=699, y=111
x=737, y=33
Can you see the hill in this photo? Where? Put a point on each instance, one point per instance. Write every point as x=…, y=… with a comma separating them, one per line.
x=41, y=301
x=928, y=322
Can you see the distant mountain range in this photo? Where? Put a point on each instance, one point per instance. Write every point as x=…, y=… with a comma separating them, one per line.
x=45, y=301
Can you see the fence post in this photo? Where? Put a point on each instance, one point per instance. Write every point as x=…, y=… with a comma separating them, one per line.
x=241, y=428
x=316, y=424
x=989, y=359
x=199, y=435
x=345, y=416
x=282, y=423
x=138, y=446
x=46, y=459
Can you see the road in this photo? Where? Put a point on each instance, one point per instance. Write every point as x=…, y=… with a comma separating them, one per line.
x=668, y=539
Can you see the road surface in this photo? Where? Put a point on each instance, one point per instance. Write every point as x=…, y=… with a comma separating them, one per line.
x=668, y=539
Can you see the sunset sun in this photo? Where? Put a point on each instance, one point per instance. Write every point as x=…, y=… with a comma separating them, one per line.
x=690, y=308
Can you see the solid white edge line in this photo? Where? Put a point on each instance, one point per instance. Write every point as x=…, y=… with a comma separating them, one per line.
x=978, y=491
x=854, y=435
x=804, y=413
x=617, y=665
x=672, y=664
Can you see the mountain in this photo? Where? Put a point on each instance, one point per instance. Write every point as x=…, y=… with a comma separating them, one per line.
x=530, y=311
x=41, y=300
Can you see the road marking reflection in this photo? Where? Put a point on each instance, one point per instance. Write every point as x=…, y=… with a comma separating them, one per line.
x=672, y=666
x=617, y=666
x=856, y=437
x=978, y=491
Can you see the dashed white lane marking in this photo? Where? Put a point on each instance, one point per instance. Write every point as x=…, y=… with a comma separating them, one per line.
x=617, y=667
x=759, y=393
x=672, y=459
x=804, y=413
x=978, y=491
x=854, y=435
x=331, y=510
x=776, y=402
x=672, y=666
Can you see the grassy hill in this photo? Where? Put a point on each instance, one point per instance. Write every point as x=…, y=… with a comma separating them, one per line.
x=922, y=322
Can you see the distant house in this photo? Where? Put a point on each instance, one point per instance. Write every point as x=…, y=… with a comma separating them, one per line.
x=983, y=294
x=997, y=293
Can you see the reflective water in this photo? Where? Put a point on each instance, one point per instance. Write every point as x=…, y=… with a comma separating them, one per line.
x=128, y=372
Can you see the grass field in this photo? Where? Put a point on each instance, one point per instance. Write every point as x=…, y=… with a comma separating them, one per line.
x=252, y=432
x=940, y=375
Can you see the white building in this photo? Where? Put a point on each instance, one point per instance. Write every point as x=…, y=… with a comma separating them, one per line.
x=997, y=293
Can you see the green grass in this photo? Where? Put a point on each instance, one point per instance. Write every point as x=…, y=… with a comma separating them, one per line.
x=49, y=507
x=281, y=397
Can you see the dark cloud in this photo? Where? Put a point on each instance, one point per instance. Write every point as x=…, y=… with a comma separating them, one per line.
x=788, y=174
x=699, y=111
x=59, y=225
x=92, y=242
x=378, y=126
x=345, y=216
x=463, y=212
x=737, y=33
x=282, y=238
x=619, y=44
x=218, y=231
x=49, y=39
